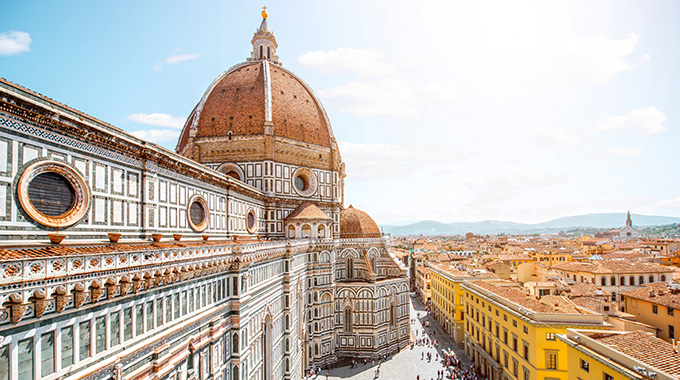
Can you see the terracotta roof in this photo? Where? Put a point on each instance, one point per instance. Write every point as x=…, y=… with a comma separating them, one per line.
x=526, y=300
x=594, y=304
x=657, y=293
x=308, y=211
x=644, y=347
x=236, y=103
x=582, y=289
x=612, y=266
x=355, y=223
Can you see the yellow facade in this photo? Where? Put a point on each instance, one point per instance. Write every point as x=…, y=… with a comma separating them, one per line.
x=551, y=259
x=447, y=302
x=509, y=341
x=664, y=318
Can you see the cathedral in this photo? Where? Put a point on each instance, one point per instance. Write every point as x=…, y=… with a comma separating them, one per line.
x=231, y=258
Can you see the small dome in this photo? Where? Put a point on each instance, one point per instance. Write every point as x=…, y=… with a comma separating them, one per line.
x=357, y=224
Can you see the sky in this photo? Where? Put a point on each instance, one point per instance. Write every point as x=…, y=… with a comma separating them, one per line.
x=522, y=111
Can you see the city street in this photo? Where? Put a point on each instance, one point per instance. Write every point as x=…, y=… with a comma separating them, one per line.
x=408, y=363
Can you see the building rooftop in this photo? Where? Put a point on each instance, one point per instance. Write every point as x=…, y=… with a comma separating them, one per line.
x=644, y=347
x=613, y=267
x=551, y=305
x=658, y=293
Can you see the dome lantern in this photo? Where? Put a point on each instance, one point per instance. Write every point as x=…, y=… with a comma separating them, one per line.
x=264, y=43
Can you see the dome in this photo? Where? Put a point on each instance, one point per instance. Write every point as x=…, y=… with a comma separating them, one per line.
x=242, y=101
x=357, y=224
x=259, y=111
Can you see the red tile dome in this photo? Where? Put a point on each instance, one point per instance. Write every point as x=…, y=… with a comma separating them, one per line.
x=357, y=224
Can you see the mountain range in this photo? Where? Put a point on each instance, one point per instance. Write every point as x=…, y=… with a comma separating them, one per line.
x=602, y=220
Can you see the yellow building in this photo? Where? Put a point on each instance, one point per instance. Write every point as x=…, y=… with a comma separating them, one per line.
x=423, y=284
x=447, y=297
x=656, y=304
x=511, y=335
x=619, y=355
x=552, y=258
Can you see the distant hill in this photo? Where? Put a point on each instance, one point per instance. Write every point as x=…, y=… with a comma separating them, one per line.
x=604, y=220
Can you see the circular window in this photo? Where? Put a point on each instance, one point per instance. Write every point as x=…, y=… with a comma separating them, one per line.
x=198, y=213
x=304, y=182
x=53, y=194
x=251, y=221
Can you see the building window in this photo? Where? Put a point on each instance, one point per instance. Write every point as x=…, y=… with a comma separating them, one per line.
x=551, y=360
x=4, y=362
x=655, y=309
x=46, y=354
x=25, y=362
x=606, y=376
x=127, y=324
x=514, y=323
x=100, y=331
x=66, y=346
x=585, y=365
x=669, y=311
x=514, y=344
x=549, y=336
x=53, y=194
x=114, y=327
x=198, y=213
x=149, y=316
x=139, y=320
x=526, y=351
x=85, y=336
x=348, y=321
x=671, y=332
x=526, y=330
x=515, y=367
x=251, y=221
x=641, y=280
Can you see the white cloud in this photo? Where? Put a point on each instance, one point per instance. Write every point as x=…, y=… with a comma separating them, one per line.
x=175, y=59
x=157, y=135
x=556, y=136
x=644, y=121
x=621, y=151
x=158, y=119
x=14, y=42
x=363, y=62
x=382, y=160
x=386, y=97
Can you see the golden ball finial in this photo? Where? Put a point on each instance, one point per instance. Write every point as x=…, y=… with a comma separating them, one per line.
x=264, y=12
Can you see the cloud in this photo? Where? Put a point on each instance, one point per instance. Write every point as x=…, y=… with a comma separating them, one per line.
x=157, y=135
x=14, y=42
x=363, y=62
x=382, y=160
x=175, y=59
x=555, y=136
x=621, y=151
x=158, y=120
x=644, y=121
x=390, y=97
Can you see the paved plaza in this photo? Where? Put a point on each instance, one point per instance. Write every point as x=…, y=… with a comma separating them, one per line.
x=407, y=364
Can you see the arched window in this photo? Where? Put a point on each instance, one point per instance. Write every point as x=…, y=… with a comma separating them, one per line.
x=603, y=281
x=306, y=231
x=641, y=280
x=234, y=346
x=321, y=231
x=631, y=280
x=316, y=350
x=622, y=281
x=348, y=321
x=651, y=278
x=291, y=232
x=267, y=347
x=393, y=315
x=261, y=55
x=375, y=269
x=612, y=281
x=269, y=53
x=350, y=268
x=663, y=277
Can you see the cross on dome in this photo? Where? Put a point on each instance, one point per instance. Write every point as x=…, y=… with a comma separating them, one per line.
x=264, y=42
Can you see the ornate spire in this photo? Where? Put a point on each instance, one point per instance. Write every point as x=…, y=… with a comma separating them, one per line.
x=629, y=221
x=264, y=43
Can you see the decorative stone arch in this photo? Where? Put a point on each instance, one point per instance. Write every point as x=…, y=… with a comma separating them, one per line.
x=267, y=345
x=382, y=292
x=373, y=252
x=232, y=170
x=349, y=252
x=365, y=293
x=326, y=296
x=325, y=257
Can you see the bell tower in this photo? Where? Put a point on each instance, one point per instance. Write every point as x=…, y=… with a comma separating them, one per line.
x=264, y=43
